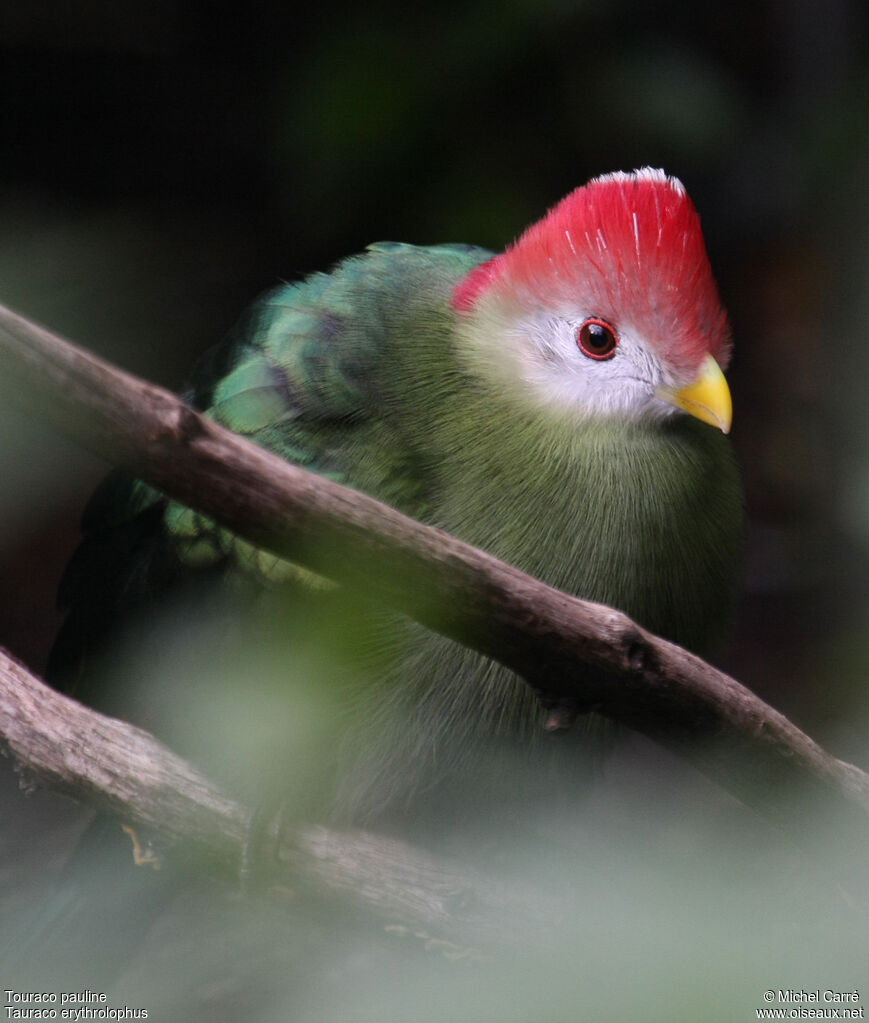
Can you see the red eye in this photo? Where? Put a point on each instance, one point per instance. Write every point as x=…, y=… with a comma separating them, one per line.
x=597, y=339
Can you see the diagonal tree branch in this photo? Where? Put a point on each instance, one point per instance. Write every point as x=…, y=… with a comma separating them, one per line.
x=576, y=654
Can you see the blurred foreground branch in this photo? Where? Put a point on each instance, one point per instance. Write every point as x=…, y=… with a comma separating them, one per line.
x=577, y=655
x=118, y=768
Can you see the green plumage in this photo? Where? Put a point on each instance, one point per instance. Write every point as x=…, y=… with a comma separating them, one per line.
x=356, y=376
x=533, y=404
x=360, y=375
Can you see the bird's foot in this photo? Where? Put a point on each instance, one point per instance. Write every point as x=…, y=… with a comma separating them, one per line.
x=561, y=712
x=145, y=848
x=561, y=717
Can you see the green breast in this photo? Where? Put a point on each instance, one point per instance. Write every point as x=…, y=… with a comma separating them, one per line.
x=647, y=518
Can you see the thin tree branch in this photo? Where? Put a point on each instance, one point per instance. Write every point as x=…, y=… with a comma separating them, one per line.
x=118, y=768
x=572, y=651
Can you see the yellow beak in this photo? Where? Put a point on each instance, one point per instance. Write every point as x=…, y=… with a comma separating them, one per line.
x=707, y=398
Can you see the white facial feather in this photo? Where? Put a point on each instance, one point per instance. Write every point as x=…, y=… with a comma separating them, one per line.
x=556, y=370
x=539, y=355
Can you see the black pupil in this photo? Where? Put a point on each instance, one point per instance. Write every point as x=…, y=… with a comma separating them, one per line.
x=597, y=336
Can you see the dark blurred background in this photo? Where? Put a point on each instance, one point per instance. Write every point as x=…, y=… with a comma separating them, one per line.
x=162, y=163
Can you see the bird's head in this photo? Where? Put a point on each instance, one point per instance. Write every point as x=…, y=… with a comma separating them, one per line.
x=607, y=306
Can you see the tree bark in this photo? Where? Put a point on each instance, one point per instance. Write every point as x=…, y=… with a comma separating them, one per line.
x=576, y=654
x=117, y=768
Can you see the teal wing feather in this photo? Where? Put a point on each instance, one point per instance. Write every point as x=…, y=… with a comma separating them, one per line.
x=313, y=372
